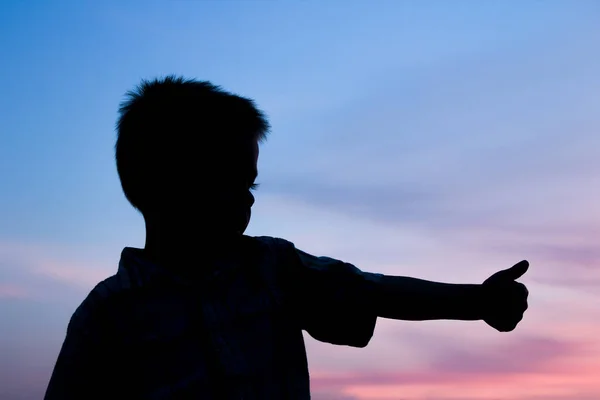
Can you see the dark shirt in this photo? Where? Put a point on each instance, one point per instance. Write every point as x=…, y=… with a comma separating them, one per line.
x=148, y=333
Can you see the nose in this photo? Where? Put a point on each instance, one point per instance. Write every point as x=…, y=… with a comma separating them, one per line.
x=240, y=199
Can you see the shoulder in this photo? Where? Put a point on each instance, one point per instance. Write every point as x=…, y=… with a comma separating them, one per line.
x=273, y=245
x=106, y=297
x=271, y=258
x=285, y=254
x=269, y=241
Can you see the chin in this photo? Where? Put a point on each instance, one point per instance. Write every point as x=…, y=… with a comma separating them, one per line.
x=241, y=230
x=244, y=223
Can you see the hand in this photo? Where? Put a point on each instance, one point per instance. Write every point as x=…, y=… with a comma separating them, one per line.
x=505, y=300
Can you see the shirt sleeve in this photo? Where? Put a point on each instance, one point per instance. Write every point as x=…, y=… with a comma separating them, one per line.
x=330, y=298
x=78, y=370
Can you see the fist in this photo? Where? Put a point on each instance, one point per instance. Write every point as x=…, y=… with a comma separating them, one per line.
x=505, y=299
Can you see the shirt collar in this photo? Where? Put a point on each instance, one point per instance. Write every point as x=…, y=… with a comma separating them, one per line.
x=143, y=270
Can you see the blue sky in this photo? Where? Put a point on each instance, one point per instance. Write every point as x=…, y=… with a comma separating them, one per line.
x=437, y=139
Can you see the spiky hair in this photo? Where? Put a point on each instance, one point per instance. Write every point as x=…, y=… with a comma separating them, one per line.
x=163, y=120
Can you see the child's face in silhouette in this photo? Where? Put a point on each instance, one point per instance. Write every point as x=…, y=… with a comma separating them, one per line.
x=223, y=205
x=234, y=199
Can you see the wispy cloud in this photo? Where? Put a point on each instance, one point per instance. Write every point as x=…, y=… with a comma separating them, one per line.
x=8, y=291
x=516, y=366
x=520, y=355
x=481, y=145
x=331, y=395
x=451, y=360
x=39, y=270
x=79, y=275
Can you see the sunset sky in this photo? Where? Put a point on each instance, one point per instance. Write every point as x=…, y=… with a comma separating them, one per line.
x=438, y=139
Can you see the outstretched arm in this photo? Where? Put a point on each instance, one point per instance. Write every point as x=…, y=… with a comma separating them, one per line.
x=337, y=303
x=411, y=299
x=500, y=301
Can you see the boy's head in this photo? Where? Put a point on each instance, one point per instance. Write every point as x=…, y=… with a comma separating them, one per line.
x=187, y=153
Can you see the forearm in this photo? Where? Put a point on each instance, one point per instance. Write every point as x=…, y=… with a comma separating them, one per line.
x=412, y=299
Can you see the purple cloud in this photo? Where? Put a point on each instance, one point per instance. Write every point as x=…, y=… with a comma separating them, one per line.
x=452, y=361
x=331, y=395
x=519, y=356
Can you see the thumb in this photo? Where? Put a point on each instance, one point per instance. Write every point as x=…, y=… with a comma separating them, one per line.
x=513, y=273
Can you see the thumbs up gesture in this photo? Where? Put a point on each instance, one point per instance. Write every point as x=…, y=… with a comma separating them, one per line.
x=505, y=299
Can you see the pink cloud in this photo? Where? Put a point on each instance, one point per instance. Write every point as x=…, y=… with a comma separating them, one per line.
x=331, y=395
x=518, y=368
x=450, y=385
x=75, y=274
x=523, y=355
x=589, y=282
x=62, y=264
x=583, y=256
x=8, y=291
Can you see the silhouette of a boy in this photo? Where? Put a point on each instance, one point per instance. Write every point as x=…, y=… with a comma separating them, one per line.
x=206, y=312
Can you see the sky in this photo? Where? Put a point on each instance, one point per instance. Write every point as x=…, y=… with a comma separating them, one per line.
x=443, y=140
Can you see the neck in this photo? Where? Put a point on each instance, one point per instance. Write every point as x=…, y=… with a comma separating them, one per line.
x=177, y=246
